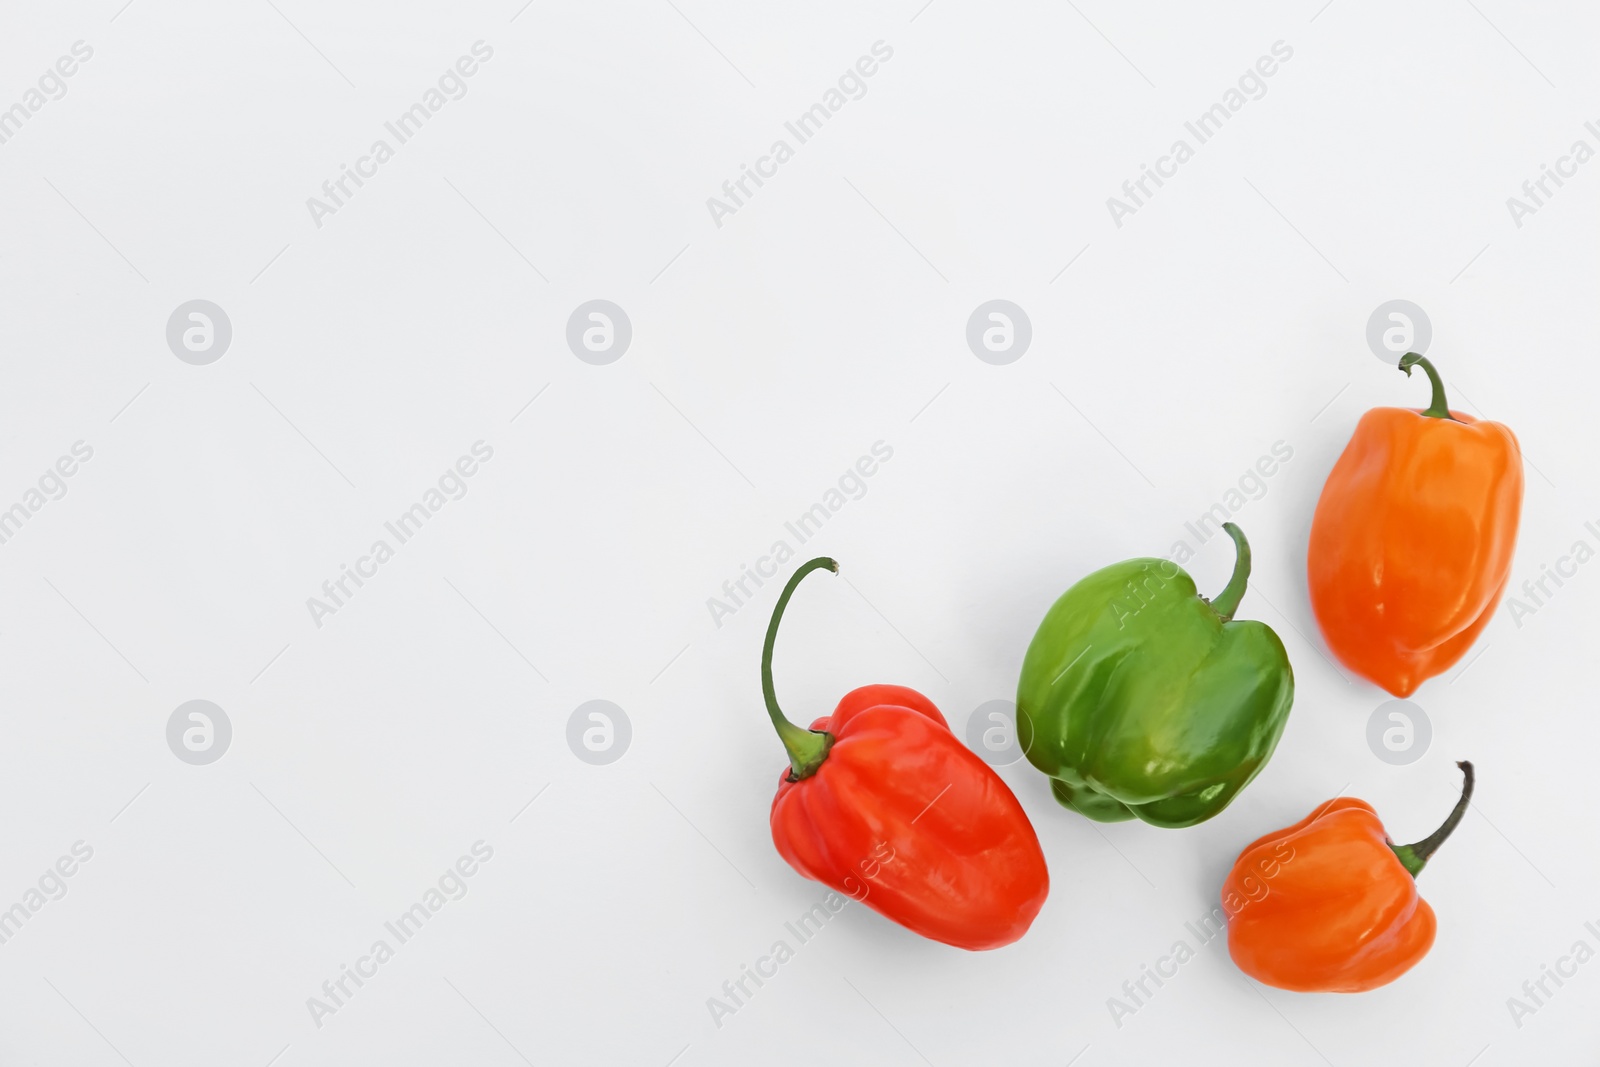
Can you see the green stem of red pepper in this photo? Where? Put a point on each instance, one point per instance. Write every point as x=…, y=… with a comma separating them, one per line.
x=1227, y=601
x=1438, y=408
x=1413, y=857
x=807, y=748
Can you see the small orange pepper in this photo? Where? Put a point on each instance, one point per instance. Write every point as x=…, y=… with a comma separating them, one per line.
x=1412, y=538
x=1342, y=915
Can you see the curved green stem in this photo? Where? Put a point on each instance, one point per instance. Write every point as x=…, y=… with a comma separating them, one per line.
x=807, y=748
x=1415, y=856
x=1438, y=408
x=1227, y=601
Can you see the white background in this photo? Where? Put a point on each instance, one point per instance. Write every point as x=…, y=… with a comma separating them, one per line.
x=768, y=354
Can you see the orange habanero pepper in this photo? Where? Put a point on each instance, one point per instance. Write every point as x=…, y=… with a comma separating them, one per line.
x=1412, y=538
x=1342, y=914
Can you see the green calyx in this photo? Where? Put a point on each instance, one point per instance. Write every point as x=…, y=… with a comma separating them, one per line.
x=1143, y=700
x=1227, y=601
x=1438, y=408
x=1415, y=857
x=807, y=748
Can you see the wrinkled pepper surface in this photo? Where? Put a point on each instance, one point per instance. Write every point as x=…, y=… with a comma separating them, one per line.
x=1141, y=699
x=1412, y=539
x=1342, y=915
x=883, y=803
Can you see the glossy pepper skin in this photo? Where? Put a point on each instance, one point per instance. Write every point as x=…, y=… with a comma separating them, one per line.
x=1141, y=699
x=882, y=803
x=1412, y=539
x=1342, y=915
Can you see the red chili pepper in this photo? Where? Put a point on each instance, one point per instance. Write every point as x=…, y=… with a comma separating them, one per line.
x=882, y=803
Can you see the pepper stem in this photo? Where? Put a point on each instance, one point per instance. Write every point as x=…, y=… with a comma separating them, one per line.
x=1439, y=408
x=807, y=748
x=1413, y=857
x=1227, y=601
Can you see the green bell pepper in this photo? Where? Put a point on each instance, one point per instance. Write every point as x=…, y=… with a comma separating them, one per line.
x=1141, y=699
